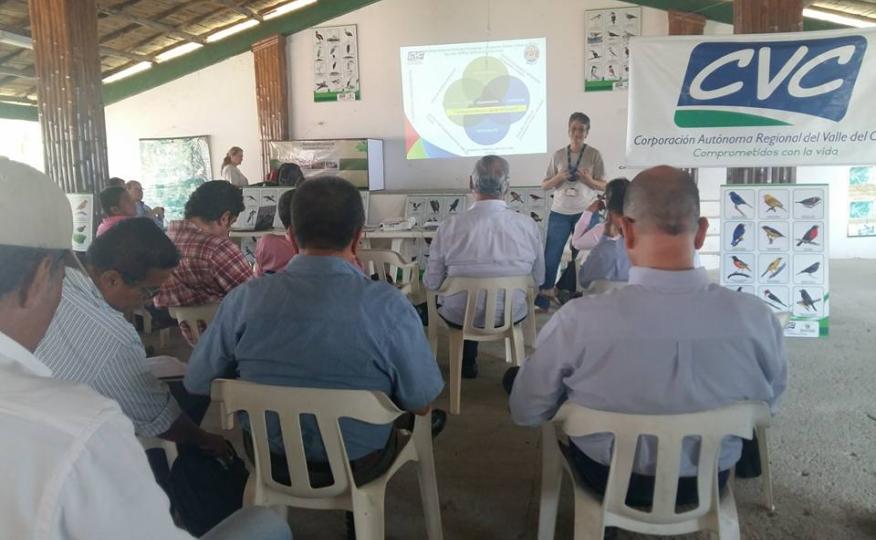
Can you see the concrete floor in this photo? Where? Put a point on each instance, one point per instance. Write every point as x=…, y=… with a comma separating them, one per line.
x=823, y=447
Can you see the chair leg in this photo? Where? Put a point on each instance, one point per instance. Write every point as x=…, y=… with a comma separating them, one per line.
x=551, y=482
x=518, y=349
x=368, y=512
x=432, y=331
x=763, y=450
x=509, y=350
x=529, y=329
x=429, y=488
x=455, y=371
x=163, y=336
x=728, y=519
x=589, y=524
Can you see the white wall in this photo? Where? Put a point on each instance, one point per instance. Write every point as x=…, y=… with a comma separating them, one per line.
x=218, y=101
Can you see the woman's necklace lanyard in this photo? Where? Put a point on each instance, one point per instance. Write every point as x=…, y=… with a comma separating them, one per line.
x=569, y=157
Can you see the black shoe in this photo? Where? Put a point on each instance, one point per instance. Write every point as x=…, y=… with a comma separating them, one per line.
x=439, y=420
x=470, y=369
x=508, y=378
x=564, y=296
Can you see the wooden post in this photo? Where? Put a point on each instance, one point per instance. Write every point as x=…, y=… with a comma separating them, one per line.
x=69, y=97
x=686, y=24
x=271, y=93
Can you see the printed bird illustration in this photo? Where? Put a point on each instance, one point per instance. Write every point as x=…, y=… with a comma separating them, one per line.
x=595, y=35
x=333, y=50
x=251, y=197
x=773, y=266
x=336, y=82
x=535, y=216
x=251, y=215
x=739, y=288
x=249, y=252
x=515, y=197
x=593, y=73
x=811, y=269
x=626, y=51
x=454, y=204
x=611, y=72
x=630, y=16
x=737, y=202
x=82, y=205
x=740, y=264
x=777, y=271
x=772, y=203
x=348, y=48
x=416, y=206
x=319, y=36
x=81, y=213
x=612, y=52
x=81, y=228
x=806, y=301
x=612, y=34
x=596, y=17
x=348, y=33
x=436, y=206
x=334, y=68
x=773, y=298
x=322, y=85
x=535, y=197
x=595, y=54
x=270, y=198
x=811, y=202
x=613, y=16
x=738, y=235
x=809, y=237
x=771, y=233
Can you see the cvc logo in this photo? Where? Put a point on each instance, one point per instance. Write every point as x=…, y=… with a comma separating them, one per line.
x=752, y=83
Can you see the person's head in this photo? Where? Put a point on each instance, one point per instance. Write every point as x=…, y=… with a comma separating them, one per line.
x=579, y=128
x=135, y=190
x=129, y=262
x=327, y=217
x=614, y=200
x=116, y=201
x=284, y=209
x=661, y=219
x=115, y=181
x=234, y=156
x=36, y=224
x=214, y=206
x=489, y=180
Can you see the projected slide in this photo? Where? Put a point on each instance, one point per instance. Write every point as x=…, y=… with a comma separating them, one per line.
x=474, y=99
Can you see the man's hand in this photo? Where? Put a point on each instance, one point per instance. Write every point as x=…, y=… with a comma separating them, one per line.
x=215, y=445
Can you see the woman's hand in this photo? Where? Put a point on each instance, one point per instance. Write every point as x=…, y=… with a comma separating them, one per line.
x=556, y=180
x=588, y=180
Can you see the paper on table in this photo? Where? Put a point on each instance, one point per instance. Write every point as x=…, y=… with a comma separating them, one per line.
x=166, y=367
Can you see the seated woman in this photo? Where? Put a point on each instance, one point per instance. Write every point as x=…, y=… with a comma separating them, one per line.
x=117, y=206
x=608, y=256
x=273, y=251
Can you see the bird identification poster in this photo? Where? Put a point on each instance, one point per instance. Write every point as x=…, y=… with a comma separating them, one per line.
x=862, y=201
x=335, y=64
x=82, y=205
x=774, y=245
x=607, y=50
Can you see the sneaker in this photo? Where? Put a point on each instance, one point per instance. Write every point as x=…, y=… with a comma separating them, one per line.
x=470, y=369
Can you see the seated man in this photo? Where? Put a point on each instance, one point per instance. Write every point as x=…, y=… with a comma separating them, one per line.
x=671, y=342
x=273, y=251
x=117, y=206
x=321, y=323
x=75, y=469
x=211, y=265
x=608, y=257
x=90, y=342
x=135, y=190
x=488, y=240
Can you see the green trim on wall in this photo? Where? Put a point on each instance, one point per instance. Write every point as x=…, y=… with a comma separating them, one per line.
x=226, y=48
x=722, y=12
x=18, y=112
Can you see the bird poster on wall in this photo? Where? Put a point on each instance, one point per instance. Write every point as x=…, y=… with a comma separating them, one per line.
x=607, y=35
x=774, y=245
x=862, y=201
x=335, y=64
x=82, y=205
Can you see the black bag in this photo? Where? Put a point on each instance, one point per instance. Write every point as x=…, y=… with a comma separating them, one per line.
x=289, y=174
x=205, y=490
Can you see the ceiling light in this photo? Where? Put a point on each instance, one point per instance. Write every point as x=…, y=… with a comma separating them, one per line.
x=846, y=20
x=216, y=36
x=287, y=8
x=177, y=51
x=127, y=72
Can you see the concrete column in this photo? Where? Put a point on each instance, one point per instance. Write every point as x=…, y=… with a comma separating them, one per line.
x=271, y=93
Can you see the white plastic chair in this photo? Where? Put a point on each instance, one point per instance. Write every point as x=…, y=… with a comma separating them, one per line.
x=489, y=289
x=714, y=512
x=163, y=334
x=328, y=406
x=192, y=314
x=385, y=262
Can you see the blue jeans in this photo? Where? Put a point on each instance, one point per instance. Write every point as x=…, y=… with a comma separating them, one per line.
x=253, y=523
x=559, y=228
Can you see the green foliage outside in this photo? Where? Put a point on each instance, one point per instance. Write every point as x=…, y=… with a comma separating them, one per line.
x=172, y=169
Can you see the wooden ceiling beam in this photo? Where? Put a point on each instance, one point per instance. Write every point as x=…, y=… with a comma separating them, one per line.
x=134, y=57
x=17, y=73
x=162, y=27
x=246, y=11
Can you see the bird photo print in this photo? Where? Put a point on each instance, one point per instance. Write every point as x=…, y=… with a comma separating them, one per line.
x=774, y=204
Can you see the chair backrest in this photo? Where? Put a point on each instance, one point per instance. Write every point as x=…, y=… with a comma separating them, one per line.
x=487, y=290
x=327, y=406
x=710, y=427
x=192, y=314
x=382, y=261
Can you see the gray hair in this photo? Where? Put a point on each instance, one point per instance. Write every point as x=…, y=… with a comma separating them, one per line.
x=665, y=199
x=490, y=176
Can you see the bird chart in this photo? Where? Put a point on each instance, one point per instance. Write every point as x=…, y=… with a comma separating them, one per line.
x=607, y=51
x=774, y=245
x=82, y=205
x=335, y=64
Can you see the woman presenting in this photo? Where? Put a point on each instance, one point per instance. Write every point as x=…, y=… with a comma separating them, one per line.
x=230, y=172
x=576, y=174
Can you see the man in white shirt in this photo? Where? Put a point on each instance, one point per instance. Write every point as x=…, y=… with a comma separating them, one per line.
x=78, y=470
x=670, y=342
x=488, y=240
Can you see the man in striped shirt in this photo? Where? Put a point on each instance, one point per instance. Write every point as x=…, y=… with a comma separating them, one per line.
x=89, y=341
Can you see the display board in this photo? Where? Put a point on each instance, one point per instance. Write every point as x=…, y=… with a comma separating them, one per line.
x=336, y=63
x=607, y=50
x=475, y=99
x=435, y=207
x=358, y=160
x=793, y=99
x=82, y=205
x=774, y=245
x=862, y=201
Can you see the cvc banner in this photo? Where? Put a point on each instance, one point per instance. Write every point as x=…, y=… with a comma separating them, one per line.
x=753, y=100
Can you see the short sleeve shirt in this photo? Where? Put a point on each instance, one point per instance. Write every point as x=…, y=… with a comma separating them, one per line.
x=574, y=197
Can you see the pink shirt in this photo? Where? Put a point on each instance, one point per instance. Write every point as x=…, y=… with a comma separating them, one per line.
x=582, y=240
x=108, y=223
x=273, y=253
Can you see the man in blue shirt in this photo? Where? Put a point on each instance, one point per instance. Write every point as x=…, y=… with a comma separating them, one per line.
x=321, y=323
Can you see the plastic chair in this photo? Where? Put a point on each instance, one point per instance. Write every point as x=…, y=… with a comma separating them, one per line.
x=386, y=263
x=714, y=512
x=163, y=334
x=192, y=314
x=489, y=289
x=328, y=406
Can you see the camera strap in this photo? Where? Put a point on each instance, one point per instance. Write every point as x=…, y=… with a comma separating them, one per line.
x=569, y=157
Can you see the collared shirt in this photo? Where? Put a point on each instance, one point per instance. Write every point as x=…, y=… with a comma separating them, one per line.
x=321, y=323
x=607, y=260
x=89, y=342
x=273, y=253
x=143, y=210
x=489, y=240
x=668, y=343
x=74, y=469
x=572, y=198
x=584, y=236
x=110, y=222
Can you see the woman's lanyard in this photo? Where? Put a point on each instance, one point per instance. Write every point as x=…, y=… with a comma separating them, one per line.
x=574, y=170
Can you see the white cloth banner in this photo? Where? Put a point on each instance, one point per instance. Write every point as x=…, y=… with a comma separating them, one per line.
x=802, y=98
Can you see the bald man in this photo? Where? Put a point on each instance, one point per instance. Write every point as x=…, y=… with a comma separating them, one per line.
x=671, y=342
